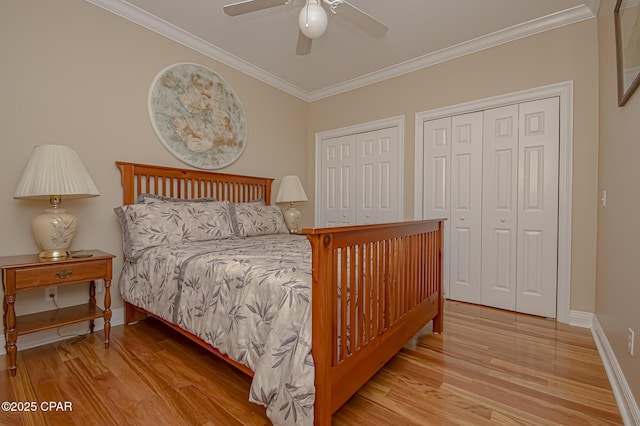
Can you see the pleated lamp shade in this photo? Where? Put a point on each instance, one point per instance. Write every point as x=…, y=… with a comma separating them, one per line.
x=54, y=172
x=290, y=190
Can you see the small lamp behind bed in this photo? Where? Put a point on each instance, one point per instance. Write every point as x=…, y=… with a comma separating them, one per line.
x=291, y=191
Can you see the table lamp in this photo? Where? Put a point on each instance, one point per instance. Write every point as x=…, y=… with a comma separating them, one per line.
x=54, y=172
x=291, y=191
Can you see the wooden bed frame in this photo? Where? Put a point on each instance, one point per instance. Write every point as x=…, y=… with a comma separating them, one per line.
x=395, y=270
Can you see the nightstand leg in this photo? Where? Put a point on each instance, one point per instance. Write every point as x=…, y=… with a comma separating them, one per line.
x=107, y=312
x=11, y=335
x=92, y=302
x=4, y=317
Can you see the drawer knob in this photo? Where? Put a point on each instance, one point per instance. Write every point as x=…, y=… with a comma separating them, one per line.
x=65, y=273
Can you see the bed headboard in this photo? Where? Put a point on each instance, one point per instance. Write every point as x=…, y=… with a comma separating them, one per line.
x=188, y=183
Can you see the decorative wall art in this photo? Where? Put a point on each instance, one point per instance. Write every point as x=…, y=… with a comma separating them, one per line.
x=197, y=116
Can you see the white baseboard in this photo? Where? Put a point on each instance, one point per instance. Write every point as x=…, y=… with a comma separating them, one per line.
x=45, y=337
x=581, y=319
x=626, y=402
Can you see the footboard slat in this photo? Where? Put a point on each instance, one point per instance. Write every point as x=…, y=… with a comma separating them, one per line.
x=352, y=301
x=343, y=307
x=375, y=310
x=361, y=296
x=386, y=288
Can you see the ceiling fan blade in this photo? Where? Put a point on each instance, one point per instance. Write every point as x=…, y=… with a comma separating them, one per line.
x=251, y=6
x=364, y=21
x=304, y=44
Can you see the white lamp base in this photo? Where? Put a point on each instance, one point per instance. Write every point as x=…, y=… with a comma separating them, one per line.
x=53, y=230
x=292, y=217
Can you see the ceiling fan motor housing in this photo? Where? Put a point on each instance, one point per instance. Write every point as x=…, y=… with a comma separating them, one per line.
x=313, y=19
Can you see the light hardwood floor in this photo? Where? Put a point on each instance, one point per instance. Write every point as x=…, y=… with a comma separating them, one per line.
x=489, y=367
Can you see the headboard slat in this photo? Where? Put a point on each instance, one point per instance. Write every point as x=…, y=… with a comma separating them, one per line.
x=187, y=184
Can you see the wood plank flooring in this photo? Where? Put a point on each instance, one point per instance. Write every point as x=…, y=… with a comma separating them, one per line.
x=489, y=367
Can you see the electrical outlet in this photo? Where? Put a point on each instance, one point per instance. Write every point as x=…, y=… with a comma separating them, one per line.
x=99, y=286
x=51, y=294
x=630, y=341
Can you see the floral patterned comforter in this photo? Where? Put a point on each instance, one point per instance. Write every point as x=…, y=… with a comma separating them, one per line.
x=248, y=297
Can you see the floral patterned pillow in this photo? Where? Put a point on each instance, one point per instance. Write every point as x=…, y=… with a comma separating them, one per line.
x=167, y=223
x=251, y=219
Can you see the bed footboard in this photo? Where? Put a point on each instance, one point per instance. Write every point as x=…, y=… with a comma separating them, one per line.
x=374, y=287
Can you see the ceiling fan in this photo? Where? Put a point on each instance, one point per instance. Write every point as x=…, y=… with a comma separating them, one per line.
x=313, y=20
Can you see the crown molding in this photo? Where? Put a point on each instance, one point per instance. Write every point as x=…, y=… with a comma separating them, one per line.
x=593, y=5
x=138, y=16
x=545, y=23
x=151, y=22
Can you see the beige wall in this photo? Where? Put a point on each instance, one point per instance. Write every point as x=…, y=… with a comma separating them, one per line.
x=618, y=265
x=568, y=53
x=77, y=75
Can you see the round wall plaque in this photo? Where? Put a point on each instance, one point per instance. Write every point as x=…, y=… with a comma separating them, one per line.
x=197, y=116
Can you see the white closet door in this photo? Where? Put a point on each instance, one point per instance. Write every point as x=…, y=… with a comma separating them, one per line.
x=538, y=207
x=377, y=181
x=436, y=183
x=494, y=175
x=500, y=207
x=338, y=189
x=437, y=156
x=466, y=207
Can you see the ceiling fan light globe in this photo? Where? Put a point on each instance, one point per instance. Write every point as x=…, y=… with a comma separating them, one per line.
x=313, y=20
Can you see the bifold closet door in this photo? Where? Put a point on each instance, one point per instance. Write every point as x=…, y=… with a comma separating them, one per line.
x=453, y=190
x=466, y=207
x=520, y=207
x=360, y=180
x=494, y=175
x=377, y=180
x=338, y=189
x=500, y=207
x=539, y=146
x=436, y=183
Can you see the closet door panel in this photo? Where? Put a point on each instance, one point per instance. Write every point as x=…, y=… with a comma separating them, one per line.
x=466, y=207
x=538, y=207
x=500, y=207
x=436, y=184
x=377, y=163
x=437, y=154
x=338, y=174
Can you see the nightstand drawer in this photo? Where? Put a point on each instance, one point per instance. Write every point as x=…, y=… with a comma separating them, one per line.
x=60, y=274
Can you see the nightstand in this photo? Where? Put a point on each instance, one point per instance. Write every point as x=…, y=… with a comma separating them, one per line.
x=30, y=271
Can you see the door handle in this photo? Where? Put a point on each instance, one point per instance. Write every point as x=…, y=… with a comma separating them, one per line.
x=503, y=220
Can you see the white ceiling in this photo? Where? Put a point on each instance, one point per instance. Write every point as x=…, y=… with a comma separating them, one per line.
x=421, y=33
